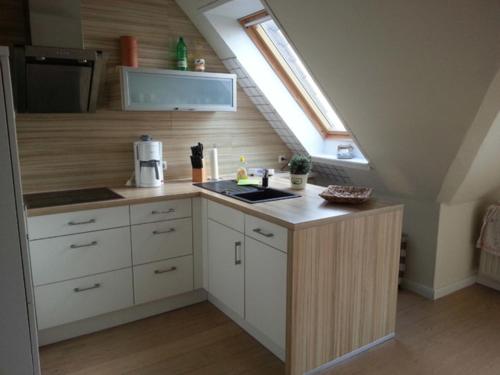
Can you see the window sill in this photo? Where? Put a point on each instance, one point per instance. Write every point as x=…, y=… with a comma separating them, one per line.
x=357, y=163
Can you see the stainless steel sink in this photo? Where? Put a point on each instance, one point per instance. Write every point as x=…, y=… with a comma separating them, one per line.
x=249, y=194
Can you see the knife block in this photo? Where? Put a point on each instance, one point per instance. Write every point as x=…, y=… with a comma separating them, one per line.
x=199, y=175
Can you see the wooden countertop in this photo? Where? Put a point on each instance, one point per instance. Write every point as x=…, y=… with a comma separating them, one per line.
x=298, y=213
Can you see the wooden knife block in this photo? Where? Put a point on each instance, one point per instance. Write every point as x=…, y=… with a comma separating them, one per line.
x=199, y=175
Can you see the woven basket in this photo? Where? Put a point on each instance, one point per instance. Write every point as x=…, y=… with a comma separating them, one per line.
x=346, y=194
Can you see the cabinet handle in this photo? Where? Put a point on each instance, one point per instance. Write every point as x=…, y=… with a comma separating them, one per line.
x=155, y=232
x=93, y=243
x=169, y=211
x=166, y=270
x=91, y=221
x=95, y=286
x=237, y=253
x=263, y=233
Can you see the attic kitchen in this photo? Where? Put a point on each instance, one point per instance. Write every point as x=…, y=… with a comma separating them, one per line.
x=143, y=182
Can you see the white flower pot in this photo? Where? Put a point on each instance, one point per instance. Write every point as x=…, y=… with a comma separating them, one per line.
x=298, y=181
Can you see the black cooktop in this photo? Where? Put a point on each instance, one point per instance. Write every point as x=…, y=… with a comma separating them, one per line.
x=62, y=198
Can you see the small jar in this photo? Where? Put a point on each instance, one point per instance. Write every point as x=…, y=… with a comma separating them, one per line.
x=345, y=151
x=199, y=65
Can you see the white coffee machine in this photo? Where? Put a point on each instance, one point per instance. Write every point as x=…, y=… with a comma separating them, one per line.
x=148, y=156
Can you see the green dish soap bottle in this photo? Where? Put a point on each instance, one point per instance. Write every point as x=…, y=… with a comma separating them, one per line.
x=182, y=55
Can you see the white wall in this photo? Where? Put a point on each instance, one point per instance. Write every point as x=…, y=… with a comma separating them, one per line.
x=406, y=76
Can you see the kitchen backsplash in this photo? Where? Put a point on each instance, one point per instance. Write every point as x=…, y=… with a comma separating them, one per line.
x=61, y=151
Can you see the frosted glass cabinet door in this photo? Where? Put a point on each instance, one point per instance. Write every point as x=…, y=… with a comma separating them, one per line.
x=173, y=90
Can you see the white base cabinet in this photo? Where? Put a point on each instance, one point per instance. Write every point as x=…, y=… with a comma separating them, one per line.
x=82, y=298
x=247, y=273
x=265, y=290
x=226, y=277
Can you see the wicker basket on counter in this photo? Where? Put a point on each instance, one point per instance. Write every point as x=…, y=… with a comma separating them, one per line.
x=346, y=194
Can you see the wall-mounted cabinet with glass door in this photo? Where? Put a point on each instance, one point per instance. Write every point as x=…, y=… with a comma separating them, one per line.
x=172, y=90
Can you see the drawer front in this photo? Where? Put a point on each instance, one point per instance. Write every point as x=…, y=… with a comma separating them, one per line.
x=163, y=240
x=160, y=211
x=77, y=222
x=72, y=300
x=69, y=257
x=264, y=231
x=226, y=215
x=163, y=279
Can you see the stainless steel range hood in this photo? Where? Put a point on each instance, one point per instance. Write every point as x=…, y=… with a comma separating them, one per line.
x=56, y=74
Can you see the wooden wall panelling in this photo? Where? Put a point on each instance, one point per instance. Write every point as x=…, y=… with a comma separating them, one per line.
x=63, y=151
x=343, y=288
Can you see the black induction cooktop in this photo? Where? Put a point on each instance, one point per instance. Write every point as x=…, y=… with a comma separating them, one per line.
x=62, y=198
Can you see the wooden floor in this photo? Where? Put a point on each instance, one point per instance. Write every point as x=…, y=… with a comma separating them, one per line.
x=459, y=335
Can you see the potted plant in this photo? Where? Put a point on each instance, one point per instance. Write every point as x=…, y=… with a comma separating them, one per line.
x=300, y=166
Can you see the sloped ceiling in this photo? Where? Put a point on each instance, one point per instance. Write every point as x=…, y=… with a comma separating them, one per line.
x=407, y=77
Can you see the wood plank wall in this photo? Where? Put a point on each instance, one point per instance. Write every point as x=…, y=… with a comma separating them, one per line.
x=61, y=151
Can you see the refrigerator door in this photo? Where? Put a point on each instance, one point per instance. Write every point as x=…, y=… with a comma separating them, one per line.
x=18, y=341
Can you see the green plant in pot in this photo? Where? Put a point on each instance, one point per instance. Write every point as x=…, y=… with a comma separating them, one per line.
x=300, y=166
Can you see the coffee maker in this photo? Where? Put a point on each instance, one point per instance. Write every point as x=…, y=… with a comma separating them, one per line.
x=148, y=156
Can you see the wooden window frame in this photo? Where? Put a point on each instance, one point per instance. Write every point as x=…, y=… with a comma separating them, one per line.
x=258, y=36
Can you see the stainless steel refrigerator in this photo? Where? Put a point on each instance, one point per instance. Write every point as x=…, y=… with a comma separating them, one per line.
x=18, y=334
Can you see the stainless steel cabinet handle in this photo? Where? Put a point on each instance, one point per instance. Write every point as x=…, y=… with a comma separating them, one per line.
x=263, y=233
x=93, y=243
x=164, y=231
x=166, y=270
x=95, y=286
x=237, y=253
x=169, y=211
x=91, y=221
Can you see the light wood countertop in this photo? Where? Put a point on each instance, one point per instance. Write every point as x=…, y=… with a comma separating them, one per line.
x=298, y=213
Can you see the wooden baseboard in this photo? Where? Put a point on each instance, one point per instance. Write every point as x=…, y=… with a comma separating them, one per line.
x=345, y=357
x=116, y=318
x=488, y=281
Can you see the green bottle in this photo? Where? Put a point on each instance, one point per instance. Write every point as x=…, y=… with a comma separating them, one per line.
x=182, y=55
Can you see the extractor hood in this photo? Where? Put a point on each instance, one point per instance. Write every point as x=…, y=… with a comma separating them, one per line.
x=55, y=74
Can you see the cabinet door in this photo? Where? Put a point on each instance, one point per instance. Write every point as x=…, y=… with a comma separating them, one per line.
x=265, y=290
x=173, y=90
x=226, y=275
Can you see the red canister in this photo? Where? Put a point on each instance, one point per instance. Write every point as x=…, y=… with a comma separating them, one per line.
x=129, y=51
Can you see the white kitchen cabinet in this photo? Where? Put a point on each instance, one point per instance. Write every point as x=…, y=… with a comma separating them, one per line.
x=165, y=239
x=77, y=255
x=76, y=299
x=160, y=211
x=264, y=231
x=163, y=279
x=226, y=276
x=146, y=89
x=265, y=290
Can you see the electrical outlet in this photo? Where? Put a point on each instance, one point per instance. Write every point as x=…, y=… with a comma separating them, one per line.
x=282, y=159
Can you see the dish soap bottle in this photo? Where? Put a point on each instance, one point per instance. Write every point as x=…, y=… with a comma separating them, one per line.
x=182, y=59
x=241, y=173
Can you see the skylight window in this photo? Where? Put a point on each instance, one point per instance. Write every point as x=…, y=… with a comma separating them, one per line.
x=274, y=46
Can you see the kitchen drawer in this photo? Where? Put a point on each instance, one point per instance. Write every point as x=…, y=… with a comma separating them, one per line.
x=77, y=255
x=226, y=215
x=77, y=222
x=159, y=211
x=264, y=231
x=163, y=279
x=82, y=298
x=163, y=240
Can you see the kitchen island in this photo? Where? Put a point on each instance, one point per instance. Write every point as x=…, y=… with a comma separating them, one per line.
x=339, y=266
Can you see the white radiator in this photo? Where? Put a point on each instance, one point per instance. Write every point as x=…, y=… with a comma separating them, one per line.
x=489, y=270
